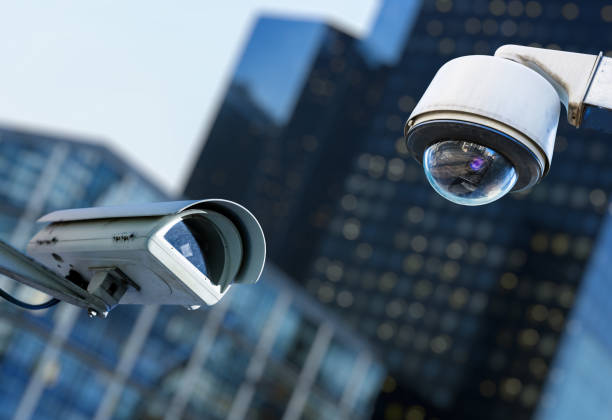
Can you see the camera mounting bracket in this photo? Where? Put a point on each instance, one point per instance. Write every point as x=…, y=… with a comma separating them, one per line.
x=20, y=267
x=582, y=81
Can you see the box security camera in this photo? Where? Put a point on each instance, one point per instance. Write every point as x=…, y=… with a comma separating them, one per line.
x=182, y=253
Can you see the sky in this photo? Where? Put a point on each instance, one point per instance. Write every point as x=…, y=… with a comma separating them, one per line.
x=143, y=77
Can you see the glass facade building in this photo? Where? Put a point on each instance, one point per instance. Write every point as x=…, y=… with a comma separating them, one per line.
x=266, y=351
x=282, y=140
x=468, y=305
x=579, y=385
x=42, y=173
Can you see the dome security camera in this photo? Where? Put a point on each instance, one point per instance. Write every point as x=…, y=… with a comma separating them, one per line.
x=183, y=253
x=486, y=125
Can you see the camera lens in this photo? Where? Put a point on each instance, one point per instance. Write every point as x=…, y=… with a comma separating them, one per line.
x=467, y=173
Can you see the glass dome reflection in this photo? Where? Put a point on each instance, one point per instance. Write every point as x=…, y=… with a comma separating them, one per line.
x=467, y=173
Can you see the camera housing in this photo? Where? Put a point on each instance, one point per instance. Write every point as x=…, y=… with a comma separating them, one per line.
x=469, y=100
x=184, y=253
x=506, y=107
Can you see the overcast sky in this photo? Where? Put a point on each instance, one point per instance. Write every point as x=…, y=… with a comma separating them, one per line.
x=144, y=77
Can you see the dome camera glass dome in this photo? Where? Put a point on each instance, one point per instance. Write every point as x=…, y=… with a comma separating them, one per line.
x=467, y=173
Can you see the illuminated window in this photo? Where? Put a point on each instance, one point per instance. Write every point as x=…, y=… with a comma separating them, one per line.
x=515, y=8
x=412, y=263
x=389, y=385
x=395, y=308
x=472, y=26
x=538, y=367
x=459, y=298
x=497, y=7
x=395, y=170
x=538, y=313
x=566, y=297
x=351, y=229
x=560, y=244
x=528, y=338
x=415, y=215
x=349, y=202
x=400, y=144
x=510, y=388
x=533, y=9
x=376, y=166
x=387, y=281
x=606, y=13
x=440, y=344
x=444, y=6
x=548, y=345
x=344, y=299
x=556, y=320
x=570, y=11
x=477, y=251
x=446, y=46
x=435, y=28
x=539, y=242
x=598, y=198
x=385, y=331
x=450, y=270
x=415, y=412
x=508, y=28
x=326, y=293
x=334, y=271
x=456, y=249
x=508, y=281
x=419, y=243
x=582, y=247
x=530, y=396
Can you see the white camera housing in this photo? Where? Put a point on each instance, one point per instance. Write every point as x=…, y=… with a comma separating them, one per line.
x=184, y=253
x=517, y=119
x=503, y=109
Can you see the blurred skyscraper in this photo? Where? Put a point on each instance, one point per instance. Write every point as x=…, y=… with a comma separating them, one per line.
x=467, y=304
x=266, y=351
x=41, y=173
x=579, y=385
x=282, y=141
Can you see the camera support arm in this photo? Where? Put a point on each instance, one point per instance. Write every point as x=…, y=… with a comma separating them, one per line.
x=582, y=81
x=18, y=266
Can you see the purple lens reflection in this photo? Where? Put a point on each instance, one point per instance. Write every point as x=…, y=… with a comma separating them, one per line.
x=476, y=164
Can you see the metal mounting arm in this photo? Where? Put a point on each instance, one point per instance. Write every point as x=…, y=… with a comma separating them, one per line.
x=582, y=81
x=20, y=267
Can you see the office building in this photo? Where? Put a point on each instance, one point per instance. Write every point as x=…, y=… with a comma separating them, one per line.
x=40, y=173
x=467, y=304
x=265, y=351
x=284, y=134
x=579, y=384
